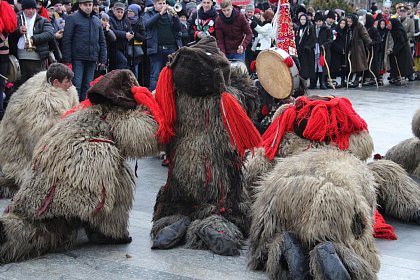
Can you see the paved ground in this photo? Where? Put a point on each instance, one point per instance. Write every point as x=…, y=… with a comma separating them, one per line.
x=388, y=112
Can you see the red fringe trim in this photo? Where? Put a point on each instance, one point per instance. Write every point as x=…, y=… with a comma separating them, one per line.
x=242, y=132
x=381, y=229
x=94, y=82
x=8, y=18
x=143, y=96
x=165, y=97
x=41, y=210
x=101, y=203
x=80, y=106
x=334, y=120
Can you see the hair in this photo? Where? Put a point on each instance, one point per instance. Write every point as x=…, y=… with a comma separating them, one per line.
x=268, y=16
x=225, y=3
x=59, y=71
x=155, y=1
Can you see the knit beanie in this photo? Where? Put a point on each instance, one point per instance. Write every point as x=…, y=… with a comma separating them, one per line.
x=27, y=4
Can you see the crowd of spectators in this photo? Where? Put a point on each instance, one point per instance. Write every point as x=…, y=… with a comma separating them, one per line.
x=94, y=36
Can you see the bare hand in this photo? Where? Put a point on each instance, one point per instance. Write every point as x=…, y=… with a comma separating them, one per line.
x=59, y=34
x=164, y=9
x=23, y=29
x=240, y=49
x=129, y=36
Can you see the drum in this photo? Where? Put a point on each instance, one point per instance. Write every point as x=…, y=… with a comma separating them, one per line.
x=275, y=76
x=239, y=64
x=13, y=72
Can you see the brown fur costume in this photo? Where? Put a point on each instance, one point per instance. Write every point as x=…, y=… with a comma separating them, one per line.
x=80, y=177
x=205, y=183
x=32, y=111
x=407, y=153
x=314, y=207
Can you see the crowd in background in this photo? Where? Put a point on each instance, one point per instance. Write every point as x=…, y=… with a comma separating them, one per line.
x=94, y=36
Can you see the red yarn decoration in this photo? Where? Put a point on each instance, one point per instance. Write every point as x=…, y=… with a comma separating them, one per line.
x=242, y=132
x=94, y=82
x=8, y=18
x=322, y=60
x=253, y=66
x=381, y=229
x=80, y=106
x=289, y=61
x=43, y=13
x=165, y=97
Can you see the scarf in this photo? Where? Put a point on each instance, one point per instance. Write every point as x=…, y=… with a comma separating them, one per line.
x=136, y=9
x=206, y=15
x=231, y=19
x=30, y=22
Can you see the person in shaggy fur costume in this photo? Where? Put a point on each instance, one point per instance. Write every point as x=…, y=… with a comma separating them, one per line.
x=314, y=207
x=407, y=153
x=80, y=176
x=203, y=201
x=32, y=111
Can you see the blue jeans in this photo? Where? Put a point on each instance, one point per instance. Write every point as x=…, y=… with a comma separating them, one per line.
x=157, y=62
x=121, y=61
x=83, y=75
x=236, y=56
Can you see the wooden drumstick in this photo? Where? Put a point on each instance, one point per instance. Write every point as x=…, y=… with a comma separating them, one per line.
x=328, y=68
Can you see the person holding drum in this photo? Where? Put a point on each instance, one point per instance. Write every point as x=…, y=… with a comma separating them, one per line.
x=233, y=33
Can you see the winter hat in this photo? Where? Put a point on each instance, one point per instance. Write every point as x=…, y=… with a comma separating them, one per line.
x=118, y=6
x=114, y=89
x=249, y=7
x=257, y=11
x=85, y=1
x=318, y=16
x=28, y=4
x=331, y=14
x=54, y=2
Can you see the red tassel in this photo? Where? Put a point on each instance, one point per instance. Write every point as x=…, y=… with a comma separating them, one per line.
x=242, y=132
x=80, y=106
x=289, y=61
x=381, y=229
x=165, y=97
x=275, y=132
x=43, y=13
x=143, y=96
x=8, y=18
x=273, y=2
x=94, y=82
x=322, y=60
x=253, y=66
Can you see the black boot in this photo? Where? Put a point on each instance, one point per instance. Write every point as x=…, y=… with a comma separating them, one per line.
x=219, y=242
x=312, y=83
x=171, y=235
x=296, y=260
x=330, y=263
x=322, y=84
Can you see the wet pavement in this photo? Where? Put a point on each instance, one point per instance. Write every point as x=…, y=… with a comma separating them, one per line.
x=388, y=112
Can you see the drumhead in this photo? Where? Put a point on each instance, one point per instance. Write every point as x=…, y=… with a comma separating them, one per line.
x=274, y=75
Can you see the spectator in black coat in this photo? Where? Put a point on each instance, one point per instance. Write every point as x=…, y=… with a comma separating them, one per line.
x=305, y=43
x=383, y=33
x=83, y=46
x=123, y=31
x=338, y=52
x=373, y=51
x=400, y=57
x=135, y=50
x=36, y=31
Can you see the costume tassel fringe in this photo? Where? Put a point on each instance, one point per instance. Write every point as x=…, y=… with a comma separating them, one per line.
x=334, y=121
x=80, y=106
x=381, y=229
x=165, y=97
x=144, y=97
x=8, y=18
x=289, y=61
x=242, y=132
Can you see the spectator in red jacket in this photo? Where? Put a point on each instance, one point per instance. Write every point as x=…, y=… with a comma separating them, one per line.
x=233, y=32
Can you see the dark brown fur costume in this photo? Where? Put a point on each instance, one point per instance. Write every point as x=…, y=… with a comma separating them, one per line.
x=314, y=207
x=80, y=177
x=205, y=181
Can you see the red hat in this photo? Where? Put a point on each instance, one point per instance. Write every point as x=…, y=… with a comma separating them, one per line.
x=257, y=11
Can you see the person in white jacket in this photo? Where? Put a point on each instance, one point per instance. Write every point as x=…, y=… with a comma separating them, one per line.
x=264, y=39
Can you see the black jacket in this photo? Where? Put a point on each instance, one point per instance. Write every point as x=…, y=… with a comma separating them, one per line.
x=43, y=34
x=305, y=47
x=83, y=39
